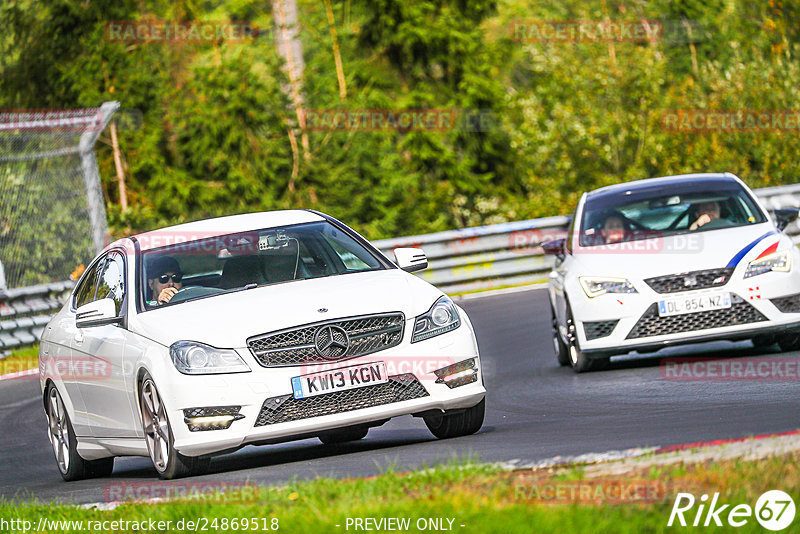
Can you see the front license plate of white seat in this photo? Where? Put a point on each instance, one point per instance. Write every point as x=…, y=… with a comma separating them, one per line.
x=341, y=379
x=697, y=303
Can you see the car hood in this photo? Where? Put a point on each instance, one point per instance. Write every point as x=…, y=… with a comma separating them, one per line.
x=679, y=253
x=227, y=320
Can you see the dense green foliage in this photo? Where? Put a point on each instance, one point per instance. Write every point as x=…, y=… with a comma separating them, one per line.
x=566, y=116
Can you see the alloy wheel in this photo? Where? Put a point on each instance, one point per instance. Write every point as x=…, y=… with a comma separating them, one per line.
x=156, y=426
x=58, y=434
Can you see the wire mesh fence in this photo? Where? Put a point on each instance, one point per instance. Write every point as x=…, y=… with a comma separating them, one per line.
x=52, y=214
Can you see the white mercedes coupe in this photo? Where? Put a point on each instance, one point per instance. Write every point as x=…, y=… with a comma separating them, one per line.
x=671, y=261
x=199, y=339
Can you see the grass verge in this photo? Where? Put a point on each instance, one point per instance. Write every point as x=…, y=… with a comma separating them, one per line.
x=460, y=497
x=22, y=359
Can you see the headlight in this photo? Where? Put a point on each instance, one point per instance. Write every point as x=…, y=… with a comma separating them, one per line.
x=192, y=358
x=779, y=261
x=442, y=317
x=594, y=287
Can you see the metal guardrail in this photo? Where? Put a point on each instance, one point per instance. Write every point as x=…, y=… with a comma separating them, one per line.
x=464, y=260
x=500, y=255
x=25, y=311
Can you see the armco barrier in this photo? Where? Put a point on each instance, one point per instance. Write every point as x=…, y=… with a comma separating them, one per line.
x=25, y=311
x=509, y=254
x=459, y=260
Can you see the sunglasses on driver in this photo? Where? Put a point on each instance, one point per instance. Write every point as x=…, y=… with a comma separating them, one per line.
x=176, y=278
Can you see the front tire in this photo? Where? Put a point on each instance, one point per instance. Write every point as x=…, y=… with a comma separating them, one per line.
x=65, y=444
x=169, y=463
x=560, y=348
x=577, y=359
x=460, y=423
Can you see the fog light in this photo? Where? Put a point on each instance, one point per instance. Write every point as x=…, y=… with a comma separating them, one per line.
x=458, y=374
x=212, y=418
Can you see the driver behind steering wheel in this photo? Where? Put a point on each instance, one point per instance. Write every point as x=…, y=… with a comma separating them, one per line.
x=164, y=277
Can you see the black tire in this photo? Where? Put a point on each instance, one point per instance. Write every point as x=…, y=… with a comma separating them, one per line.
x=65, y=445
x=559, y=347
x=168, y=462
x=789, y=342
x=460, y=423
x=577, y=359
x=343, y=436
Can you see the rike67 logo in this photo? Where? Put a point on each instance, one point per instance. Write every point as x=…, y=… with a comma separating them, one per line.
x=774, y=510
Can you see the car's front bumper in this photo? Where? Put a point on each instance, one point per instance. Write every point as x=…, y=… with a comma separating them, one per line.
x=756, y=314
x=255, y=392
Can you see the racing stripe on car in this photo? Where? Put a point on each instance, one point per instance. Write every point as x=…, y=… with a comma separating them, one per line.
x=769, y=250
x=741, y=254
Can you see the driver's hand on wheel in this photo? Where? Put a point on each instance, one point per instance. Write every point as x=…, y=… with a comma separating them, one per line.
x=703, y=219
x=166, y=294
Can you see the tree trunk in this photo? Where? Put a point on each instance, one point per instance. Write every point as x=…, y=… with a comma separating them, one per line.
x=291, y=49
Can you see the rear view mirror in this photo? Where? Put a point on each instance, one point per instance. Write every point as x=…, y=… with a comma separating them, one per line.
x=784, y=217
x=98, y=313
x=410, y=259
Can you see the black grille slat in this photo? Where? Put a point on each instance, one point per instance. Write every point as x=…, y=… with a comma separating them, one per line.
x=296, y=346
x=675, y=283
x=652, y=324
x=788, y=304
x=598, y=329
x=286, y=408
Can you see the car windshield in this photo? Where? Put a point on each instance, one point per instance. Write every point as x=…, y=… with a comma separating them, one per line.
x=245, y=260
x=654, y=212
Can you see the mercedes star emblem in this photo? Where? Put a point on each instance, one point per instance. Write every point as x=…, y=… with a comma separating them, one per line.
x=331, y=342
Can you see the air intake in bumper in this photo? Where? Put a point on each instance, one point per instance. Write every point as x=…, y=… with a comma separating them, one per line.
x=652, y=324
x=286, y=408
x=788, y=304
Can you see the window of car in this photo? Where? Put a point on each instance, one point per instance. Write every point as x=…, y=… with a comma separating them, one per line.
x=656, y=212
x=111, y=281
x=85, y=291
x=237, y=261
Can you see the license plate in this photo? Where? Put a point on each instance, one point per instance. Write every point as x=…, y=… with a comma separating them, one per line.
x=697, y=303
x=341, y=379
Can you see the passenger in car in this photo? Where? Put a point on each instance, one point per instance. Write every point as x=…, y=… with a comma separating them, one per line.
x=164, y=277
x=704, y=213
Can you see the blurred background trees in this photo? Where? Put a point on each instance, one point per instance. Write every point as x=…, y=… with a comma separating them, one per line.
x=215, y=135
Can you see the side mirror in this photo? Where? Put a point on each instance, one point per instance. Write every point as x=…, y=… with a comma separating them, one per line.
x=410, y=259
x=784, y=217
x=98, y=313
x=557, y=247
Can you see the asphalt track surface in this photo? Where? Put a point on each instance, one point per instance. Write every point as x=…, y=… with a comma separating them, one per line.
x=536, y=410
